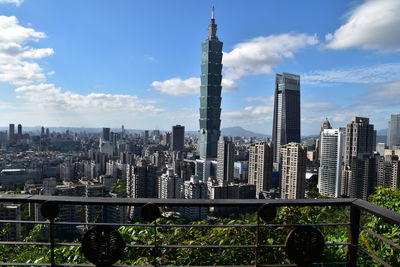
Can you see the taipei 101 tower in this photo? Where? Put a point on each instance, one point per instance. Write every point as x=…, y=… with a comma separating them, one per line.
x=210, y=99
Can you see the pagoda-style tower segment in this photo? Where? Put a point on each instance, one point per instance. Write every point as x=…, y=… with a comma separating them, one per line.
x=210, y=99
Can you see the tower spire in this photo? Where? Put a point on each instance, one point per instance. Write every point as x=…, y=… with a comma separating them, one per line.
x=212, y=27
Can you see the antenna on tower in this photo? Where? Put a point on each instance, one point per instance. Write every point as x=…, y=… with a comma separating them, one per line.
x=212, y=13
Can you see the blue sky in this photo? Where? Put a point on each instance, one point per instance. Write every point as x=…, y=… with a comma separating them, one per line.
x=137, y=63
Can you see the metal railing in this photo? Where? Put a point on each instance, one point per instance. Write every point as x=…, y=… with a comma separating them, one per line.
x=265, y=209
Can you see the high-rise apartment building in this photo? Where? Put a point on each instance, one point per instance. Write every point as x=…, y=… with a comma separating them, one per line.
x=226, y=150
x=360, y=138
x=393, y=135
x=141, y=182
x=178, y=138
x=106, y=134
x=94, y=213
x=210, y=93
x=293, y=171
x=361, y=176
x=166, y=139
x=359, y=145
x=19, y=129
x=388, y=171
x=241, y=171
x=11, y=132
x=194, y=189
x=170, y=185
x=325, y=125
x=286, y=122
x=330, y=170
x=260, y=166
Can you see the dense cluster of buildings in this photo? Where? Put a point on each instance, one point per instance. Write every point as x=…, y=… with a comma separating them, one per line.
x=345, y=161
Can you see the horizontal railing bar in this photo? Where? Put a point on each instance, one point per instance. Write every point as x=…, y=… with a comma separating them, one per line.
x=276, y=265
x=24, y=222
x=23, y=243
x=306, y=224
x=329, y=263
x=206, y=246
x=158, y=246
x=366, y=252
x=384, y=239
x=178, y=225
x=108, y=224
x=248, y=225
x=62, y=265
x=102, y=201
x=28, y=243
x=139, y=246
x=295, y=265
x=384, y=213
x=90, y=265
x=24, y=264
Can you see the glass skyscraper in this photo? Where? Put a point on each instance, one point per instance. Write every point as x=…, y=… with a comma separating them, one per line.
x=210, y=99
x=286, y=124
x=393, y=135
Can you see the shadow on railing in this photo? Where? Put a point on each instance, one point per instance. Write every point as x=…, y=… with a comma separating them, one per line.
x=103, y=245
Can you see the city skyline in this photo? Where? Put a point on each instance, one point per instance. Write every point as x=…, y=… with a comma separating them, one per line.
x=73, y=72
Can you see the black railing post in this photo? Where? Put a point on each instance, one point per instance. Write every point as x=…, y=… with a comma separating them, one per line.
x=52, y=242
x=354, y=232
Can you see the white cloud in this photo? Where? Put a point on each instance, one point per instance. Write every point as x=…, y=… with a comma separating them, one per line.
x=372, y=25
x=16, y=2
x=261, y=54
x=387, y=94
x=181, y=87
x=16, y=66
x=37, y=53
x=250, y=115
x=178, y=86
x=256, y=56
x=49, y=96
x=267, y=100
x=364, y=74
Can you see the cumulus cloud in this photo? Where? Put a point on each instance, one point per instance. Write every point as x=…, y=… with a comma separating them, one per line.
x=365, y=74
x=49, y=96
x=178, y=86
x=261, y=54
x=256, y=56
x=372, y=25
x=182, y=87
x=15, y=2
x=16, y=65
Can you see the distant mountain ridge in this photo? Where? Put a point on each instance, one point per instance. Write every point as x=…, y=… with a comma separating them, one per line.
x=228, y=131
x=382, y=132
x=239, y=131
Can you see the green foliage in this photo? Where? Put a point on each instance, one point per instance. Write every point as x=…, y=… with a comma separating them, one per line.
x=203, y=236
x=390, y=199
x=119, y=186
